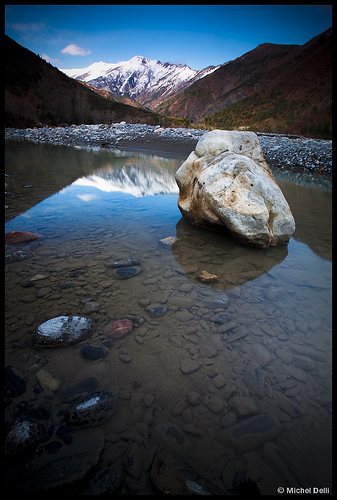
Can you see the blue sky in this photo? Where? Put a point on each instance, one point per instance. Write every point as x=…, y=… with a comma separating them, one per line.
x=75, y=36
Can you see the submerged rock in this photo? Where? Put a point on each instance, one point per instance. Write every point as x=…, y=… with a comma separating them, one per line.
x=226, y=184
x=22, y=439
x=19, y=237
x=173, y=474
x=62, y=331
x=119, y=329
x=66, y=467
x=91, y=410
x=123, y=273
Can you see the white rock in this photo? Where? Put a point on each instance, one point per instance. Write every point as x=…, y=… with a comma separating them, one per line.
x=225, y=183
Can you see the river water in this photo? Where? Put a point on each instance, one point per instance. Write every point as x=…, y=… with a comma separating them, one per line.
x=194, y=366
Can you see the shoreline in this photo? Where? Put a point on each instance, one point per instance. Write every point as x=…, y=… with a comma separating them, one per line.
x=283, y=152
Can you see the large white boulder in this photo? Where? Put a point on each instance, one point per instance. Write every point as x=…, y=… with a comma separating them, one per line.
x=225, y=183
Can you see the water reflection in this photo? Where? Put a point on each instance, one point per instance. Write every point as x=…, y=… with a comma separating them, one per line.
x=198, y=249
x=138, y=180
x=194, y=366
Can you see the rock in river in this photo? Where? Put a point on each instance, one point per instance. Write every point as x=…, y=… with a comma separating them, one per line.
x=62, y=331
x=92, y=409
x=226, y=184
x=119, y=329
x=19, y=237
x=173, y=474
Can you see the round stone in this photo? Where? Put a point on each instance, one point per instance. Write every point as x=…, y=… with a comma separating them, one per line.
x=123, y=273
x=62, y=331
x=92, y=409
x=119, y=329
x=93, y=352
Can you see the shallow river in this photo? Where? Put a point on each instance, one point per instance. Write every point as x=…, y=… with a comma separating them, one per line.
x=255, y=342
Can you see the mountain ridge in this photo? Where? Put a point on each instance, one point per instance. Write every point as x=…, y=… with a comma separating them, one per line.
x=272, y=88
x=37, y=93
x=146, y=81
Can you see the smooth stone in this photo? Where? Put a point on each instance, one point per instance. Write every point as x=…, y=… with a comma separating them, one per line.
x=193, y=398
x=19, y=237
x=190, y=365
x=91, y=410
x=22, y=439
x=90, y=307
x=208, y=351
x=303, y=362
x=170, y=437
x=16, y=256
x=105, y=482
x=124, y=262
x=62, y=331
x=260, y=354
x=178, y=409
x=68, y=466
x=309, y=351
x=296, y=373
x=156, y=310
x=254, y=379
x=173, y=474
x=207, y=277
x=217, y=303
x=168, y=241
x=215, y=404
x=124, y=273
x=218, y=381
x=93, y=352
x=243, y=405
x=119, y=329
x=225, y=182
x=228, y=420
x=77, y=390
x=226, y=327
x=67, y=284
x=47, y=381
x=220, y=318
x=252, y=432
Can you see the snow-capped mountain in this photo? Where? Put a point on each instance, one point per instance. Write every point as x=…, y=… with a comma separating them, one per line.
x=146, y=81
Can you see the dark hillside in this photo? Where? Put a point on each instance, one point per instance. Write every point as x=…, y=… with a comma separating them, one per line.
x=37, y=93
x=273, y=88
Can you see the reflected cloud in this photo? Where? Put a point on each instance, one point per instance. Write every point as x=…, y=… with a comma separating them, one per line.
x=88, y=197
x=197, y=249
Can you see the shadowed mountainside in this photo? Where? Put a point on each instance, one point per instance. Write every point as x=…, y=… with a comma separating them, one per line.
x=37, y=93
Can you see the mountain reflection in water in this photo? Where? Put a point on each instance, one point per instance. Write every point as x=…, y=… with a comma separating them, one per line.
x=133, y=179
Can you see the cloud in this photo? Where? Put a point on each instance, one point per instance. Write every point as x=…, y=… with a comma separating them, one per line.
x=74, y=50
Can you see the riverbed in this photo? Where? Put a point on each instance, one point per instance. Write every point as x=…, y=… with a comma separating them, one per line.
x=255, y=342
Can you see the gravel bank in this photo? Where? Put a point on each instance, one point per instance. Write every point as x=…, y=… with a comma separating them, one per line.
x=289, y=153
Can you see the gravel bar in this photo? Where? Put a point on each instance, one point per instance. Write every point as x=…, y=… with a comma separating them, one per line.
x=286, y=152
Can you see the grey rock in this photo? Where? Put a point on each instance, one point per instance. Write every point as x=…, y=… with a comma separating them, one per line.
x=252, y=432
x=173, y=474
x=62, y=331
x=93, y=352
x=91, y=410
x=105, y=482
x=67, y=466
x=77, y=390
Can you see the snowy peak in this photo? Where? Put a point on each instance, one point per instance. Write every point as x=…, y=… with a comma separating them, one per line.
x=146, y=81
